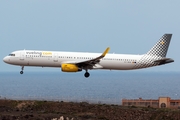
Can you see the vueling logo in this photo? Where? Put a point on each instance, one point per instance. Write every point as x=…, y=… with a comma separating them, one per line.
x=34, y=53
x=40, y=53
x=47, y=53
x=162, y=42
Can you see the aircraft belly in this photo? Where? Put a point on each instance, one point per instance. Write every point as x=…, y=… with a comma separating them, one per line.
x=117, y=65
x=40, y=62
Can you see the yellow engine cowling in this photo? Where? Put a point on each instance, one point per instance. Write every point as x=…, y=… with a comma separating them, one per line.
x=70, y=68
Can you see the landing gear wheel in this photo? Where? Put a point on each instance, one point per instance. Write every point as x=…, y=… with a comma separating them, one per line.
x=21, y=72
x=86, y=75
x=22, y=68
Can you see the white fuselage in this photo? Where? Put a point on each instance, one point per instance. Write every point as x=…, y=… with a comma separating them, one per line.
x=78, y=61
x=55, y=59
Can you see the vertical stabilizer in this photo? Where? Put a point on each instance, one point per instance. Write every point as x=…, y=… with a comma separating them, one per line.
x=161, y=47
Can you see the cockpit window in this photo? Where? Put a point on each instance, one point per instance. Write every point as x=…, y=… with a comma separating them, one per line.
x=11, y=54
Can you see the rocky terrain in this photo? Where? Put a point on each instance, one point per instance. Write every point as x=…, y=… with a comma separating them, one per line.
x=50, y=110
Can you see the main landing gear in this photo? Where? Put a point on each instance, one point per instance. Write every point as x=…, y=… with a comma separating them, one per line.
x=21, y=72
x=86, y=74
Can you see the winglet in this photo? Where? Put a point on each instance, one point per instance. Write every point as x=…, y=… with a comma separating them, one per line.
x=105, y=52
x=103, y=55
x=92, y=62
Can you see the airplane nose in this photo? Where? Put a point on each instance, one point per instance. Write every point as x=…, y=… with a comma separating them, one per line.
x=5, y=59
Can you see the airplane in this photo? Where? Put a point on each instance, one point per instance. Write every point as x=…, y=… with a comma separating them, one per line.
x=78, y=61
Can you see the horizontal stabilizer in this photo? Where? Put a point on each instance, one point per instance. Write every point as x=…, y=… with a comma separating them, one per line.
x=164, y=61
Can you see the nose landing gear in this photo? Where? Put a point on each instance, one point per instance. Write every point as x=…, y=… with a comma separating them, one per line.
x=21, y=72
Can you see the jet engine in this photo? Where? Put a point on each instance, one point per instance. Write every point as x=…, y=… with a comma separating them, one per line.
x=70, y=68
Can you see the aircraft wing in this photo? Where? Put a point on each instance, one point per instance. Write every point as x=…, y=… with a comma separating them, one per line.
x=92, y=63
x=164, y=61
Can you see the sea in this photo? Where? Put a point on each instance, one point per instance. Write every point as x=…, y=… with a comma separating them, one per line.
x=104, y=87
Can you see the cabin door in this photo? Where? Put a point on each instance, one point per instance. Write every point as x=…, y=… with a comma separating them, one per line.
x=55, y=57
x=22, y=55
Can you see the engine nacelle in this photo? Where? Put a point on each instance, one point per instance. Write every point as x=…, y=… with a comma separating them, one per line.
x=70, y=68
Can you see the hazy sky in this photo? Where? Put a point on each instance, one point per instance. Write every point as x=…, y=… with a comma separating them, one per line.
x=126, y=26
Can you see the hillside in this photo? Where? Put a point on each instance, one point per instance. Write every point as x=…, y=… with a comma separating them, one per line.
x=47, y=110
